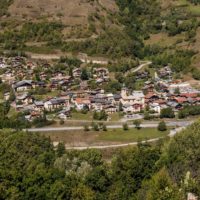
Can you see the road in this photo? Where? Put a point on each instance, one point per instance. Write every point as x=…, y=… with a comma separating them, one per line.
x=146, y=63
x=144, y=125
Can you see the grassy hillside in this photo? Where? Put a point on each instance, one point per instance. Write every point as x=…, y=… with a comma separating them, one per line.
x=152, y=29
x=81, y=18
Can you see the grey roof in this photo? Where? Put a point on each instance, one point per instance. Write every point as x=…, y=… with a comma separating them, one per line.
x=57, y=101
x=39, y=103
x=24, y=82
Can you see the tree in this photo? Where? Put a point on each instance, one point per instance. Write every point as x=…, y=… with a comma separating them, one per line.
x=96, y=115
x=167, y=113
x=104, y=128
x=86, y=128
x=82, y=192
x=125, y=127
x=60, y=149
x=162, y=126
x=137, y=124
x=147, y=115
x=84, y=74
x=62, y=122
x=120, y=106
x=177, y=90
x=95, y=127
x=162, y=187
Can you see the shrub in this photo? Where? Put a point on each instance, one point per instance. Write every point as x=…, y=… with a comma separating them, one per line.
x=125, y=127
x=162, y=126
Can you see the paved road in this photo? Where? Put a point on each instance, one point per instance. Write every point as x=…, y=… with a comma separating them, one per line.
x=146, y=125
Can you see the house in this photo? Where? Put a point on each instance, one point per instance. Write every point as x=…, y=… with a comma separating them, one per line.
x=128, y=108
x=6, y=96
x=155, y=107
x=117, y=98
x=134, y=102
x=101, y=72
x=39, y=105
x=54, y=104
x=110, y=109
x=64, y=114
x=25, y=99
x=151, y=97
x=82, y=103
x=76, y=73
x=23, y=85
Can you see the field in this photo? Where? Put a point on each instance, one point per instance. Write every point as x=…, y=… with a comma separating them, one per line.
x=112, y=136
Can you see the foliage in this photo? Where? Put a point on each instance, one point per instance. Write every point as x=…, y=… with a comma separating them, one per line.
x=125, y=127
x=162, y=126
x=30, y=168
x=167, y=113
x=101, y=116
x=137, y=124
x=189, y=111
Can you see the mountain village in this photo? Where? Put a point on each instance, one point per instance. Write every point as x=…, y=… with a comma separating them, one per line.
x=33, y=92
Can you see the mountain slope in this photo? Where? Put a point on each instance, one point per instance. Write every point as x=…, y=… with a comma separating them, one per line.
x=76, y=14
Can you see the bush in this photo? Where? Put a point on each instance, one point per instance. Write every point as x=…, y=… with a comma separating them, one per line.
x=162, y=126
x=86, y=128
x=125, y=127
x=137, y=124
x=167, y=113
x=95, y=127
x=62, y=122
x=104, y=128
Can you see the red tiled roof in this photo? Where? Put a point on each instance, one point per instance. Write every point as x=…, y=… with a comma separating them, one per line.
x=181, y=99
x=188, y=95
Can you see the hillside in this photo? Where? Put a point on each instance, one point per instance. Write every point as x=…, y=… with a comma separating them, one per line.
x=30, y=168
x=76, y=15
x=153, y=29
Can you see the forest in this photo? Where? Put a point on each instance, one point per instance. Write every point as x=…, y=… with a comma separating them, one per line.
x=31, y=168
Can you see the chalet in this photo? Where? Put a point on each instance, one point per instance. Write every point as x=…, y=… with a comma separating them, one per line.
x=142, y=75
x=101, y=72
x=6, y=96
x=132, y=108
x=174, y=105
x=155, y=107
x=81, y=103
x=110, y=109
x=39, y=105
x=134, y=102
x=76, y=73
x=151, y=97
x=54, y=104
x=117, y=98
x=64, y=114
x=40, y=84
x=136, y=98
x=23, y=85
x=25, y=99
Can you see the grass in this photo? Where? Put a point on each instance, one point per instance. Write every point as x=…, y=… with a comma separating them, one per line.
x=132, y=135
x=112, y=136
x=163, y=39
x=39, y=49
x=115, y=117
x=81, y=116
x=49, y=94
